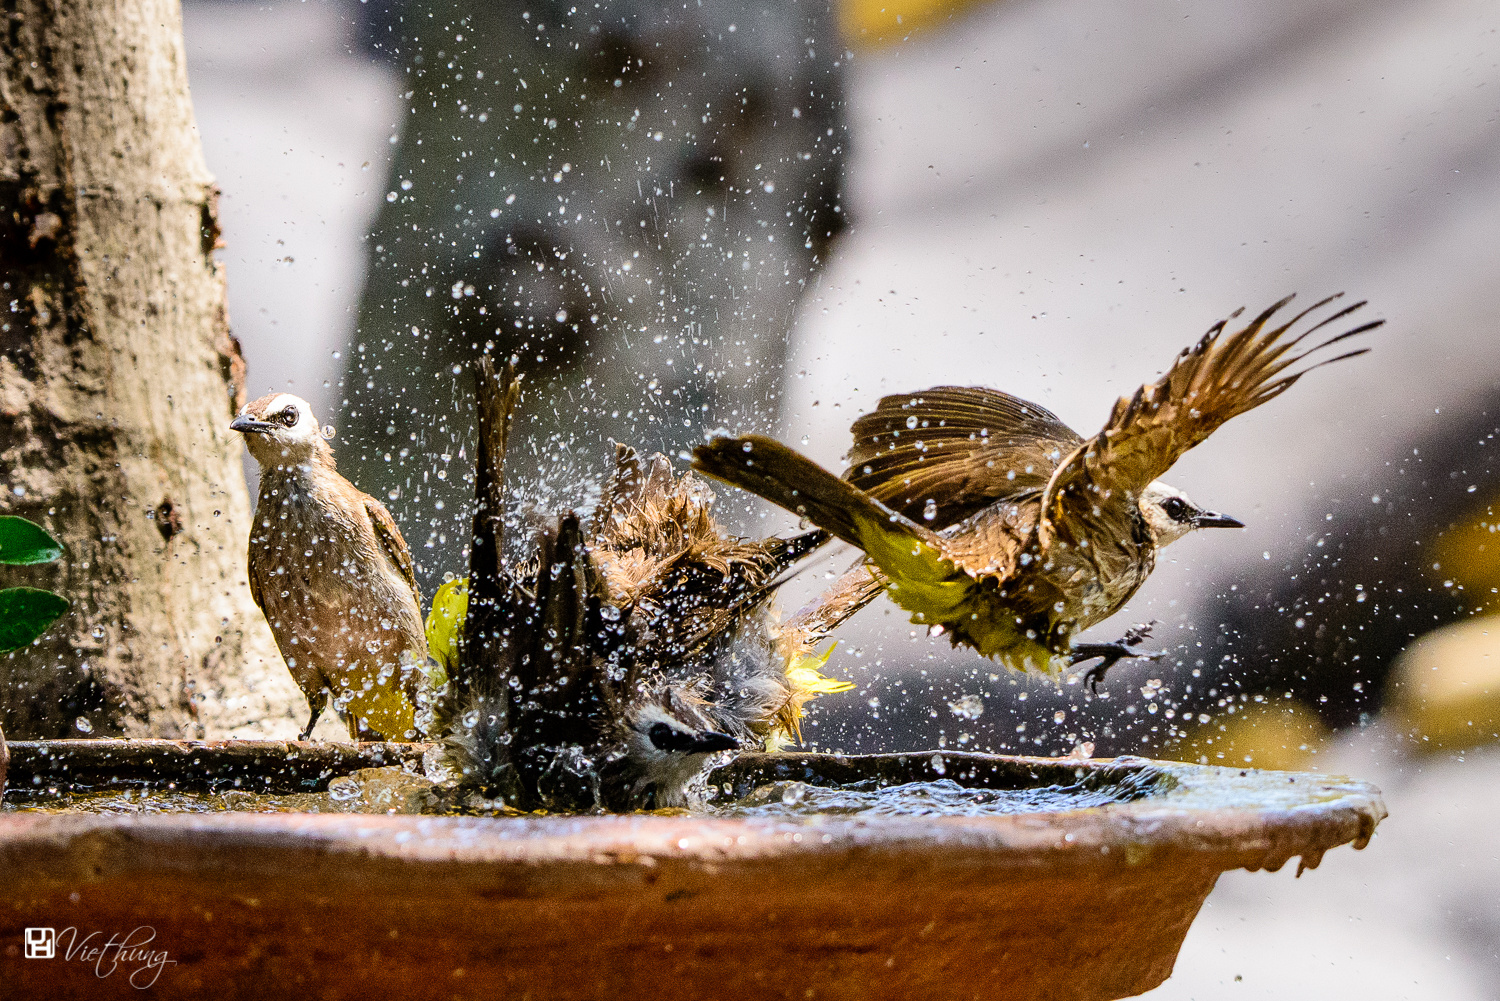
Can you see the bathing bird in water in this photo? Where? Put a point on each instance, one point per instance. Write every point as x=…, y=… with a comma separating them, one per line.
x=334, y=577
x=989, y=519
x=632, y=651
x=640, y=648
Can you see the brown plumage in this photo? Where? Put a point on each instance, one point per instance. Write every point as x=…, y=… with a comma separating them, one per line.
x=992, y=520
x=632, y=648
x=331, y=572
x=662, y=554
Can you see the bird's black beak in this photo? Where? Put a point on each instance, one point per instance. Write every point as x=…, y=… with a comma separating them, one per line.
x=710, y=740
x=1211, y=519
x=667, y=738
x=245, y=424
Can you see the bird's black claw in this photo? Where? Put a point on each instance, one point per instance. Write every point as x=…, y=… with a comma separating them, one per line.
x=1110, y=653
x=307, y=734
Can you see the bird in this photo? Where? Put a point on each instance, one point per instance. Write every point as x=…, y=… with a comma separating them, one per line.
x=706, y=600
x=627, y=654
x=988, y=519
x=642, y=648
x=331, y=572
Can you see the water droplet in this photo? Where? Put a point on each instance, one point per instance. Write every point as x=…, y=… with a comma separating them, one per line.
x=967, y=707
x=83, y=725
x=929, y=510
x=343, y=789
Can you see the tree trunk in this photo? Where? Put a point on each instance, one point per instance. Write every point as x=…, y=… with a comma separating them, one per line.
x=118, y=377
x=629, y=197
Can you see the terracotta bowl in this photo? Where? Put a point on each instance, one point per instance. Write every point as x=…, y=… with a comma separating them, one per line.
x=1071, y=904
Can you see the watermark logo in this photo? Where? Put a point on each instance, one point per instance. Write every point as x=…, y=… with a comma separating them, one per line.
x=130, y=953
x=41, y=943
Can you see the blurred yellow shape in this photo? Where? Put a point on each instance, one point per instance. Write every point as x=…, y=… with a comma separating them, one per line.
x=1444, y=689
x=1468, y=556
x=1279, y=734
x=872, y=23
x=805, y=678
x=445, y=623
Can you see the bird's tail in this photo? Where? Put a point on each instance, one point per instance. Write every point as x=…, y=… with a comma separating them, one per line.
x=767, y=468
x=921, y=577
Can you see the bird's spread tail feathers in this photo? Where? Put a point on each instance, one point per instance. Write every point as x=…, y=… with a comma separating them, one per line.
x=921, y=578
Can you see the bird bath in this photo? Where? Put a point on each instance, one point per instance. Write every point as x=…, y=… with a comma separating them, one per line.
x=1084, y=892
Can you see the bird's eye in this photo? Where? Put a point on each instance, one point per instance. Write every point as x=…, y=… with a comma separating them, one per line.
x=665, y=738
x=1175, y=509
x=289, y=417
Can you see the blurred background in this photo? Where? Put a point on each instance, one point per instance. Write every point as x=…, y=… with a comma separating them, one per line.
x=765, y=217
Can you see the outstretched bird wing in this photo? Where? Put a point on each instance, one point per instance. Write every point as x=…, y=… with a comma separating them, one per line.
x=961, y=448
x=391, y=542
x=1220, y=377
x=816, y=621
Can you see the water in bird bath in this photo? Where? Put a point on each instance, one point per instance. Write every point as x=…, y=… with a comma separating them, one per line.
x=943, y=797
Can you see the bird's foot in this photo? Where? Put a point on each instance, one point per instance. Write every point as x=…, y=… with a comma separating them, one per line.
x=307, y=734
x=1110, y=653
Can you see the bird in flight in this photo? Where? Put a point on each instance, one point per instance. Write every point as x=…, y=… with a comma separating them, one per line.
x=989, y=519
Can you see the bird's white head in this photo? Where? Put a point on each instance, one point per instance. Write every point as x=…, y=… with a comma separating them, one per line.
x=280, y=430
x=1171, y=515
x=668, y=742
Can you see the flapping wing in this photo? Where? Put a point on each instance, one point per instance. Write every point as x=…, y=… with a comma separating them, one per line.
x=1220, y=377
x=816, y=621
x=962, y=448
x=389, y=537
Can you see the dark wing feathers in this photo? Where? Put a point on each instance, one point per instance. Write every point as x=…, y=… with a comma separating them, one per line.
x=389, y=537
x=1219, y=378
x=962, y=448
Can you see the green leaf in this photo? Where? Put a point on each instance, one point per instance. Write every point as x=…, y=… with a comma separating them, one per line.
x=25, y=613
x=25, y=542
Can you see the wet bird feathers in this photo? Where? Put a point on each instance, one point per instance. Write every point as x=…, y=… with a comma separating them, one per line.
x=991, y=518
x=632, y=646
x=958, y=448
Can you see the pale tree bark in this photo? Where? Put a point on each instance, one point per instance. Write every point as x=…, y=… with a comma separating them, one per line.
x=118, y=377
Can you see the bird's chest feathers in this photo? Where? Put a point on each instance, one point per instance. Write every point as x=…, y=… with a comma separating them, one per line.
x=307, y=547
x=1099, y=564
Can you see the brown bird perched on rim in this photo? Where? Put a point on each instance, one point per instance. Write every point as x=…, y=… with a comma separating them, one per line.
x=334, y=577
x=1046, y=533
